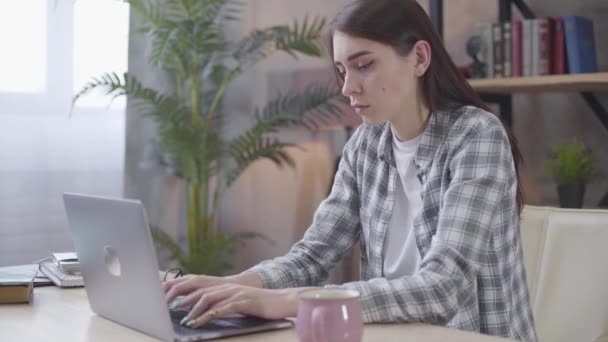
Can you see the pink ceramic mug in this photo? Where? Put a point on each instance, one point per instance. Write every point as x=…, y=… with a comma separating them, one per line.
x=329, y=315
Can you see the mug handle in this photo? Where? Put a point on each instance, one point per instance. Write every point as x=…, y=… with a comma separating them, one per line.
x=319, y=317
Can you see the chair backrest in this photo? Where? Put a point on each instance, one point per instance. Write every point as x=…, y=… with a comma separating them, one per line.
x=566, y=259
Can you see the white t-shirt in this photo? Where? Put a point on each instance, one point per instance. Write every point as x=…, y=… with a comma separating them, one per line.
x=400, y=252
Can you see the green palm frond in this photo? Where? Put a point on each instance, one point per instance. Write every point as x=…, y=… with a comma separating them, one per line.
x=249, y=147
x=216, y=10
x=304, y=38
x=310, y=108
x=150, y=12
x=314, y=106
x=183, y=9
x=184, y=30
x=205, y=37
x=163, y=48
x=165, y=241
x=163, y=108
x=247, y=52
x=180, y=45
x=232, y=11
x=197, y=147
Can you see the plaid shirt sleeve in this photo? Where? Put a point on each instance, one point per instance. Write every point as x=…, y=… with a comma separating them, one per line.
x=482, y=174
x=335, y=228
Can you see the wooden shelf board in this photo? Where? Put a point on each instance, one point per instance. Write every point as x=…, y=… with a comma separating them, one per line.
x=551, y=83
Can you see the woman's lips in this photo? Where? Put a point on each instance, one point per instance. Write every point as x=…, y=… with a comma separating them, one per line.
x=361, y=110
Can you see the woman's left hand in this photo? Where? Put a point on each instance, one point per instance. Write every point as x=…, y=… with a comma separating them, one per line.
x=223, y=300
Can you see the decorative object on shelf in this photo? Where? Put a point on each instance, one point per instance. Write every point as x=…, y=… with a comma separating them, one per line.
x=189, y=44
x=473, y=50
x=572, y=167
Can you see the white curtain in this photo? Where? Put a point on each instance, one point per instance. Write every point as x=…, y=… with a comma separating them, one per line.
x=48, y=50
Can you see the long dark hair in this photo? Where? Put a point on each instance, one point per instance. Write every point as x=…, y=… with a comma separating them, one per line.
x=400, y=24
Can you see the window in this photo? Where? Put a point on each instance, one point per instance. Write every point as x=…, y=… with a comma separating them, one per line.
x=23, y=36
x=51, y=48
x=101, y=37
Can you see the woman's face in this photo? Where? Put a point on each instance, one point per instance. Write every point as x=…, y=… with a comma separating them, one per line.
x=380, y=83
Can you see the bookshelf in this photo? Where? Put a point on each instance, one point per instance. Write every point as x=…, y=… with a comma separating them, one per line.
x=500, y=90
x=550, y=83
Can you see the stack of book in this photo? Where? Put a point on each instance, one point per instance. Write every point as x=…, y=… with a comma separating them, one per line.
x=536, y=47
x=16, y=284
x=63, y=269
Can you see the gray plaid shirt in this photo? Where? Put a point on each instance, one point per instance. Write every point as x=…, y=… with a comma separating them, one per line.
x=471, y=275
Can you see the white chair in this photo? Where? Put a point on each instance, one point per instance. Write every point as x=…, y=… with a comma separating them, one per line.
x=566, y=258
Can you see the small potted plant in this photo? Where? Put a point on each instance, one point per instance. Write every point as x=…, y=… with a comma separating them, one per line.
x=572, y=166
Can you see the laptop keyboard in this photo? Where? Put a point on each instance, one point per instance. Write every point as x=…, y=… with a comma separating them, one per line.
x=222, y=324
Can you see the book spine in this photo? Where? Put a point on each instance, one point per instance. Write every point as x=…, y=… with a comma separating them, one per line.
x=559, y=49
x=507, y=55
x=580, y=45
x=498, y=49
x=544, y=46
x=527, y=47
x=516, y=49
x=487, y=47
x=572, y=45
x=534, y=60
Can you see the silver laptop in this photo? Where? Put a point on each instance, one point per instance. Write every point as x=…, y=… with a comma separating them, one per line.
x=121, y=275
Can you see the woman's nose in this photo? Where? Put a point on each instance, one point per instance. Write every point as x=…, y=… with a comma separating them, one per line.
x=350, y=86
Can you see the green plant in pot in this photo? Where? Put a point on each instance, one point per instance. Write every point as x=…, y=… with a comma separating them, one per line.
x=572, y=166
x=189, y=44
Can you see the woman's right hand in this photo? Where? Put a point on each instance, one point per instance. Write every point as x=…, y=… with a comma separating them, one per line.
x=187, y=284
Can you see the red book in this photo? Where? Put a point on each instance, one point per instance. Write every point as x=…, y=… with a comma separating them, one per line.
x=545, y=49
x=516, y=49
x=558, y=65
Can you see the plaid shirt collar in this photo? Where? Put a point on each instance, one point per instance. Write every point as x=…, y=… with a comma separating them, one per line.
x=432, y=137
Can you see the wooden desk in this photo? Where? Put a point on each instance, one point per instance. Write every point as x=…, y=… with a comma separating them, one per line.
x=64, y=315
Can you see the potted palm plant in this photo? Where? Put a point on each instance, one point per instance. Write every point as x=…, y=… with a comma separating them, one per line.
x=572, y=167
x=189, y=44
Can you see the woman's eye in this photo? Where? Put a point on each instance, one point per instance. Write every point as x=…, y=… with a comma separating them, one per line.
x=365, y=66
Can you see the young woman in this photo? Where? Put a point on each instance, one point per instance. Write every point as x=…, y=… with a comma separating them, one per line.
x=428, y=185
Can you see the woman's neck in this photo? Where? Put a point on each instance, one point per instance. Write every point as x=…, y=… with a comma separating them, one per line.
x=411, y=122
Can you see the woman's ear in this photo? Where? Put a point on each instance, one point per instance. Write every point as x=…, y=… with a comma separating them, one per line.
x=422, y=51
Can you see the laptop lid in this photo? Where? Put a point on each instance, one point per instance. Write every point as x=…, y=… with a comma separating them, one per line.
x=118, y=262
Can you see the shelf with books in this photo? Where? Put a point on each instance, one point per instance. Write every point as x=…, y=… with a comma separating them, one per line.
x=580, y=76
x=550, y=83
x=574, y=47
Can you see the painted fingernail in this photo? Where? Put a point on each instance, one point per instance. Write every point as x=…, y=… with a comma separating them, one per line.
x=184, y=320
x=175, y=303
x=190, y=324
